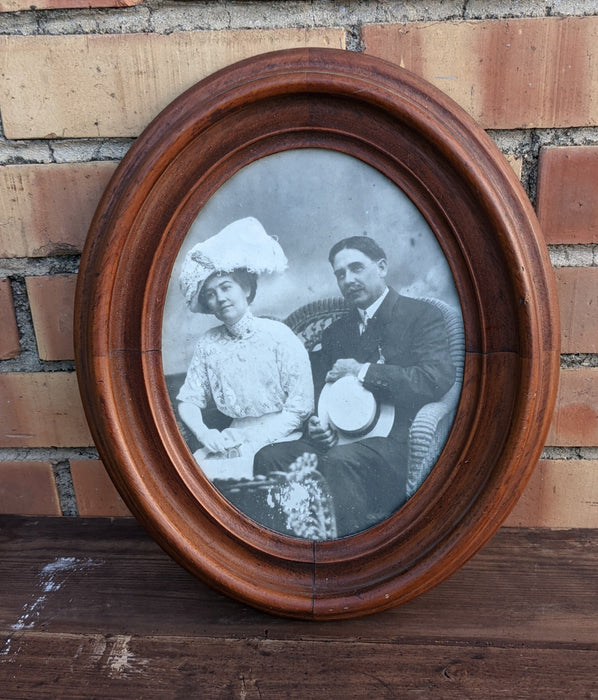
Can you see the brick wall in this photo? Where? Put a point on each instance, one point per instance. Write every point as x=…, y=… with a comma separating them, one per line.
x=80, y=79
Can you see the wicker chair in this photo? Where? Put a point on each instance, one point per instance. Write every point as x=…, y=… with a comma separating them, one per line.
x=310, y=320
x=431, y=426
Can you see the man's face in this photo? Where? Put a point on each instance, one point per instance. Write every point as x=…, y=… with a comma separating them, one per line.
x=360, y=279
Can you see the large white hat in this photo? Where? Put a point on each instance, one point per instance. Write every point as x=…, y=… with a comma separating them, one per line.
x=353, y=411
x=242, y=244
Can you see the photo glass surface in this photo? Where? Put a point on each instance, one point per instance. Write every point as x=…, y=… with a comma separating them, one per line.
x=302, y=381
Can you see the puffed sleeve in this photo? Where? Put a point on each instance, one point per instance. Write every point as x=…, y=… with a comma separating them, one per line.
x=196, y=387
x=295, y=375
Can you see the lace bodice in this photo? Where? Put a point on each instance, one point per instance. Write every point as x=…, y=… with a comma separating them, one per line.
x=254, y=368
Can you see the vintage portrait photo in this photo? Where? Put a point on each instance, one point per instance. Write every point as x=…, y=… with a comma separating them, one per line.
x=313, y=343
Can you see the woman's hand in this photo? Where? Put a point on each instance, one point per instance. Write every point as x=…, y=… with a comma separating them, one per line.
x=213, y=440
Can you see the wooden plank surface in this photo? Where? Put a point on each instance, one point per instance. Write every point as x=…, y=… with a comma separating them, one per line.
x=121, y=666
x=93, y=608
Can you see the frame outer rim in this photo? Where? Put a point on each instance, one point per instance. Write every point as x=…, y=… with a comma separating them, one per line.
x=93, y=349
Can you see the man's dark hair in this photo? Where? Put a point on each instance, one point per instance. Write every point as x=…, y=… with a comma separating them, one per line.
x=247, y=280
x=365, y=244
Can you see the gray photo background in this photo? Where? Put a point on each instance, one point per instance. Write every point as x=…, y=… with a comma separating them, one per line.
x=309, y=199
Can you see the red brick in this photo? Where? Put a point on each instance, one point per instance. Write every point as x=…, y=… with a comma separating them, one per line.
x=51, y=299
x=28, y=488
x=539, y=72
x=9, y=338
x=47, y=209
x=516, y=162
x=567, y=186
x=18, y=5
x=113, y=85
x=578, y=302
x=42, y=410
x=561, y=493
x=575, y=420
x=95, y=492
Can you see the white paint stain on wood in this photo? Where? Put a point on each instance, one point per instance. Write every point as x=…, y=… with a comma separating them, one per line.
x=51, y=578
x=110, y=655
x=121, y=661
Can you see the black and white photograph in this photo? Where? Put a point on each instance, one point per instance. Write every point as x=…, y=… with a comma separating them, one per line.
x=312, y=344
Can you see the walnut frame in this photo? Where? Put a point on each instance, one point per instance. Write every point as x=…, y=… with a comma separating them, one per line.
x=482, y=218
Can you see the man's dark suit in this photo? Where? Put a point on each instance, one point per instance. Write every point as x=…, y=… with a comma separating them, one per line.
x=407, y=345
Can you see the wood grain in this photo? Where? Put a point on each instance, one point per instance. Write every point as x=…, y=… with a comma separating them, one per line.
x=174, y=667
x=473, y=202
x=92, y=608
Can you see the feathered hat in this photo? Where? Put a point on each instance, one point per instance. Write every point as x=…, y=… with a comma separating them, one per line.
x=242, y=244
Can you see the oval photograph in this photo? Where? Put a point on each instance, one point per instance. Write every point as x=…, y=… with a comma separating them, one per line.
x=313, y=344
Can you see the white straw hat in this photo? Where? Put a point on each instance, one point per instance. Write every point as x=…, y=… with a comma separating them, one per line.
x=242, y=244
x=353, y=411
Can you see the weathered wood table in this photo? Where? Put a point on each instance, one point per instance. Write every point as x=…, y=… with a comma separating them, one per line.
x=92, y=608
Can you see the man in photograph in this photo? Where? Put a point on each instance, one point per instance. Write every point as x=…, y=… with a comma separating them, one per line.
x=393, y=348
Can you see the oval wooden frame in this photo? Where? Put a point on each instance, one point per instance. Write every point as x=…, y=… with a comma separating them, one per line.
x=473, y=202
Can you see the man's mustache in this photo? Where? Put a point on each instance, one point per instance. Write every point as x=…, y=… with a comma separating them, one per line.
x=353, y=288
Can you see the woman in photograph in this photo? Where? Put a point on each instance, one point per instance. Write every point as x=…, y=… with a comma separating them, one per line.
x=253, y=370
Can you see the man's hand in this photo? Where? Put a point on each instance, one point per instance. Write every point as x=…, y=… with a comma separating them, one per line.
x=323, y=436
x=342, y=368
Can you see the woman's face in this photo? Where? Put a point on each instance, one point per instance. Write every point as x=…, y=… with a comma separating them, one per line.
x=225, y=298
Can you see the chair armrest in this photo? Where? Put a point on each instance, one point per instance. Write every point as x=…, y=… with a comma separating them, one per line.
x=427, y=435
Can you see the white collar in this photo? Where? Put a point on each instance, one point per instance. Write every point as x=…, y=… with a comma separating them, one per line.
x=242, y=328
x=372, y=308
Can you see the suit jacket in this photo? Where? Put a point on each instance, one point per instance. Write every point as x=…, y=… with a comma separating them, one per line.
x=406, y=343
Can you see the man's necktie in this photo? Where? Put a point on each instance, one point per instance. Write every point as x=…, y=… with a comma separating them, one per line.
x=364, y=323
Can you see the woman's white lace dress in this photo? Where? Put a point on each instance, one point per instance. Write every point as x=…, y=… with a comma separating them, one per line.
x=258, y=373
